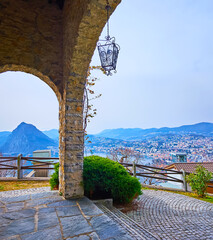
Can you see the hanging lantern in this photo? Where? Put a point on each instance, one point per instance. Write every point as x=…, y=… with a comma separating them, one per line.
x=108, y=51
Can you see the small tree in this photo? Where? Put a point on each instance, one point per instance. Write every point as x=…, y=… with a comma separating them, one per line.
x=198, y=180
x=124, y=154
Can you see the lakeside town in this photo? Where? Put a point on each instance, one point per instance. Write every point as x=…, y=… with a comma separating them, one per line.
x=158, y=150
x=155, y=148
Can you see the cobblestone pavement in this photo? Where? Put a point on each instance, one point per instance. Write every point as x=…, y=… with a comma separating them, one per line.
x=174, y=216
x=23, y=192
x=47, y=216
x=131, y=226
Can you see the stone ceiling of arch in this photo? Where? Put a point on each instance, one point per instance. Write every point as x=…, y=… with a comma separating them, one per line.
x=31, y=35
x=58, y=43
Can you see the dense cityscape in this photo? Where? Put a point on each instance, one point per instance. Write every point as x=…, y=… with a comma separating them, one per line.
x=157, y=150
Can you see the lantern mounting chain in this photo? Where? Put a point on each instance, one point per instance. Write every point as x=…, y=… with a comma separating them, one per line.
x=107, y=8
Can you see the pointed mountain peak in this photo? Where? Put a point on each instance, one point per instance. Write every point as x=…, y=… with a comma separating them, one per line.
x=23, y=124
x=25, y=127
x=25, y=139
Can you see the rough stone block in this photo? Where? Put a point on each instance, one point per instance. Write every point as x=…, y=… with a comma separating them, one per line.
x=81, y=237
x=4, y=222
x=16, y=199
x=68, y=211
x=44, y=194
x=75, y=225
x=15, y=206
x=20, y=226
x=25, y=213
x=92, y=236
x=88, y=207
x=108, y=229
x=50, y=233
x=47, y=218
x=63, y=203
x=37, y=202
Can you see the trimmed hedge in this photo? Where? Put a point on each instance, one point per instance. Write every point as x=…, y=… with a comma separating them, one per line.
x=107, y=178
x=104, y=178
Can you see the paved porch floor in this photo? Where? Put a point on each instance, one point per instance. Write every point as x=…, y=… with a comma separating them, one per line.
x=34, y=215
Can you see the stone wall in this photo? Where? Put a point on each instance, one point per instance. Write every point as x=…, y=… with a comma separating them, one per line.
x=57, y=46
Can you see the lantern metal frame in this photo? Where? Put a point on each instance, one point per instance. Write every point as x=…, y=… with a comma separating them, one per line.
x=109, y=50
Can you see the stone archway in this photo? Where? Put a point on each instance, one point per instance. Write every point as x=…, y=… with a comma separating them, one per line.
x=21, y=68
x=56, y=42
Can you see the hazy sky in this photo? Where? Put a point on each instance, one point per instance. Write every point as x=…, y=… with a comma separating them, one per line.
x=164, y=77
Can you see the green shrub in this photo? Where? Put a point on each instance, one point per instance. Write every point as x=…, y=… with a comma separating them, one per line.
x=106, y=178
x=198, y=180
x=54, y=180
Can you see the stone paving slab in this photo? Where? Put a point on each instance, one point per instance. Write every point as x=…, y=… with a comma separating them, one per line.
x=174, y=216
x=46, y=215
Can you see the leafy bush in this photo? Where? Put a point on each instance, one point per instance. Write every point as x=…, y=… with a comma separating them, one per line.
x=54, y=180
x=198, y=180
x=106, y=178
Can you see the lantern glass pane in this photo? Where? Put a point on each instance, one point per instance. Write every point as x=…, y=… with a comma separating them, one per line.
x=108, y=53
x=106, y=56
x=115, y=56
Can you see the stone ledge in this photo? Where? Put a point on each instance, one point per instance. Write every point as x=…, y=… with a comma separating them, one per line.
x=105, y=202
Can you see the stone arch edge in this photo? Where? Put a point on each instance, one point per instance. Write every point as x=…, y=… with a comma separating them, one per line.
x=44, y=78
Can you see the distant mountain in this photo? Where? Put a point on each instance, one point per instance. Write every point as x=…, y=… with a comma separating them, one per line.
x=3, y=137
x=25, y=139
x=132, y=134
x=53, y=133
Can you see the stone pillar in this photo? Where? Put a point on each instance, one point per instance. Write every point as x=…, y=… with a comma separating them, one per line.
x=79, y=41
x=72, y=140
